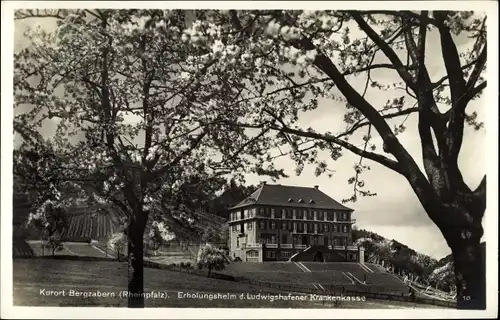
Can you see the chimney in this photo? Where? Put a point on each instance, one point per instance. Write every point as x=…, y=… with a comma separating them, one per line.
x=316, y=187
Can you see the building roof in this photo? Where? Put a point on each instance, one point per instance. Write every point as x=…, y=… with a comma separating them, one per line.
x=292, y=196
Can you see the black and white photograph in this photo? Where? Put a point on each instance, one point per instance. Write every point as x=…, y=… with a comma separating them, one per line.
x=255, y=159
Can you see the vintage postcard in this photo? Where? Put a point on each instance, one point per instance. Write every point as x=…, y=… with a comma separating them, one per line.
x=249, y=159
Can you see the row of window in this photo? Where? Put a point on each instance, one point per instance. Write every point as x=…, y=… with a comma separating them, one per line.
x=292, y=226
x=298, y=240
x=289, y=214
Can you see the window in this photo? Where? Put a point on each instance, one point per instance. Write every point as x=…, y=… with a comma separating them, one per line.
x=345, y=229
x=325, y=215
x=271, y=254
x=249, y=225
x=316, y=241
x=310, y=215
x=290, y=200
x=262, y=224
x=294, y=214
x=284, y=239
x=325, y=241
x=283, y=214
x=320, y=215
x=301, y=200
x=332, y=216
x=298, y=214
x=237, y=242
x=245, y=214
x=315, y=215
x=315, y=228
x=295, y=227
x=262, y=212
x=272, y=240
x=335, y=228
x=288, y=214
x=273, y=225
x=235, y=228
x=283, y=225
x=325, y=227
x=311, y=201
x=290, y=226
x=286, y=254
x=280, y=214
x=253, y=254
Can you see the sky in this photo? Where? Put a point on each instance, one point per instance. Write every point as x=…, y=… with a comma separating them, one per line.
x=395, y=212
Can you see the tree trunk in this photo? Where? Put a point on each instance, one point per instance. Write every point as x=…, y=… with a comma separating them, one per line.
x=470, y=275
x=135, y=233
x=469, y=258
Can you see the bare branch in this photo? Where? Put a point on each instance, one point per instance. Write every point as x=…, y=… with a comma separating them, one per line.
x=451, y=59
x=391, y=164
x=361, y=124
x=478, y=68
x=388, y=51
x=194, y=143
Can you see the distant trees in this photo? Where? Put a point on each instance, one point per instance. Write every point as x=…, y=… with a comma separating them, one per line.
x=211, y=258
x=396, y=256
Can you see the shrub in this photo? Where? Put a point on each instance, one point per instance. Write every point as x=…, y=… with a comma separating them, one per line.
x=117, y=242
x=211, y=258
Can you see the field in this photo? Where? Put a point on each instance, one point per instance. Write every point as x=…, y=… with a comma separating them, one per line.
x=34, y=279
x=333, y=276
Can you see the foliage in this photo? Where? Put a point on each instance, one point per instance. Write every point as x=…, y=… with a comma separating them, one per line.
x=158, y=235
x=231, y=195
x=50, y=220
x=211, y=258
x=117, y=243
x=405, y=260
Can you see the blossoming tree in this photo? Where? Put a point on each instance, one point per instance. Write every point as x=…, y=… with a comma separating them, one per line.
x=133, y=107
x=290, y=61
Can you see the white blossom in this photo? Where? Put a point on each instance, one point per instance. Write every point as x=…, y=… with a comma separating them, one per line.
x=217, y=47
x=273, y=29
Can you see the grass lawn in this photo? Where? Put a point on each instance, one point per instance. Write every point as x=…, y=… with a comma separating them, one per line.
x=36, y=281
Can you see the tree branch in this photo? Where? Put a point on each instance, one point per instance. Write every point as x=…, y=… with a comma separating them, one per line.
x=391, y=164
x=194, y=143
x=361, y=124
x=388, y=51
x=451, y=58
x=478, y=68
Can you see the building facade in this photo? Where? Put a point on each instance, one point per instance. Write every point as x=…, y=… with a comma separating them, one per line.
x=278, y=223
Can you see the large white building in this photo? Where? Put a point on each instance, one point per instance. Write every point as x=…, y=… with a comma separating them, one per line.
x=280, y=222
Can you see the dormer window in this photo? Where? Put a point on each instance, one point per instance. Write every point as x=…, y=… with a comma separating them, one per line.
x=311, y=201
x=290, y=200
x=301, y=200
